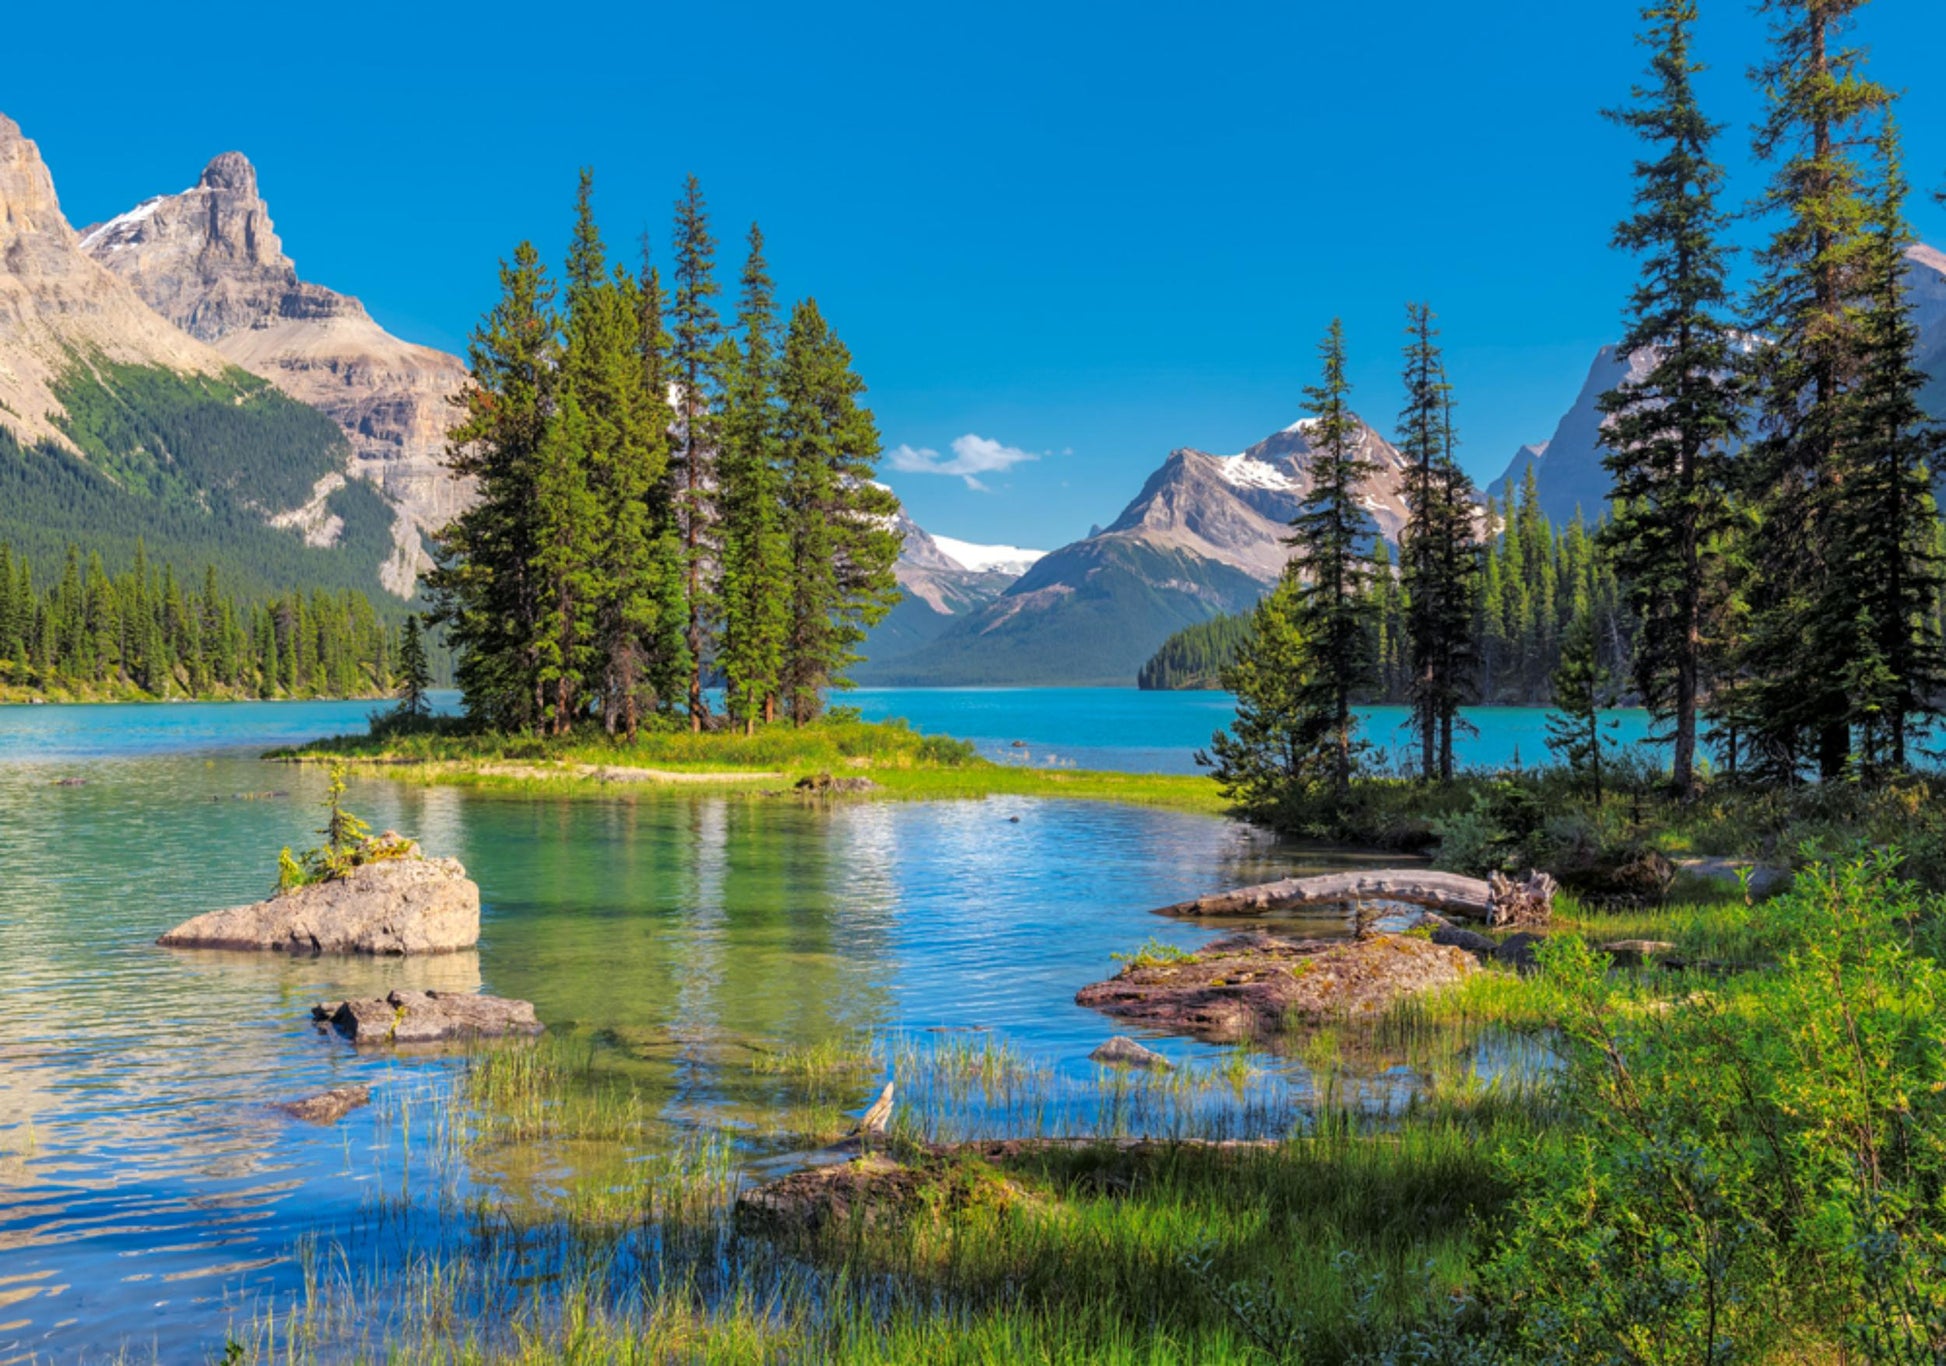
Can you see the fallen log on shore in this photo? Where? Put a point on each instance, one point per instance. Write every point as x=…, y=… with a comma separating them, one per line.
x=1499, y=901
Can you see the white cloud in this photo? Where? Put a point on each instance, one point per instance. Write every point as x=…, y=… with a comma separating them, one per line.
x=972, y=456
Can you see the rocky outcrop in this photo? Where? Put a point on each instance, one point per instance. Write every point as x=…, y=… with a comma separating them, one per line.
x=420, y=1017
x=209, y=260
x=59, y=307
x=393, y=906
x=1255, y=985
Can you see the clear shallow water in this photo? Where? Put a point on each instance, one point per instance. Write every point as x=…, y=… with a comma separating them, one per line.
x=149, y=1192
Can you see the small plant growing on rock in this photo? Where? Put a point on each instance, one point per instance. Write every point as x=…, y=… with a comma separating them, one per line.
x=348, y=844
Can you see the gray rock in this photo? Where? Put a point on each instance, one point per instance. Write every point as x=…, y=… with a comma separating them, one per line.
x=1518, y=951
x=394, y=906
x=328, y=1107
x=1122, y=1051
x=1476, y=944
x=428, y=1017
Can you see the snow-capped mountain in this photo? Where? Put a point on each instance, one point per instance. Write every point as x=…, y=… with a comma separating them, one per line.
x=988, y=559
x=1205, y=535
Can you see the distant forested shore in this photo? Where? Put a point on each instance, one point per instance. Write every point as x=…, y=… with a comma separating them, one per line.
x=141, y=635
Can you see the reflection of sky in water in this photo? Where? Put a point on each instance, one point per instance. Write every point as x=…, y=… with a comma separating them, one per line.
x=144, y=1179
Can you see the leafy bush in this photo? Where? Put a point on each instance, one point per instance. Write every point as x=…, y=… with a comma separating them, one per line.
x=1753, y=1163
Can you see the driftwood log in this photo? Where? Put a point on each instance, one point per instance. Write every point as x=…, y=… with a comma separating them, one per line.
x=1501, y=901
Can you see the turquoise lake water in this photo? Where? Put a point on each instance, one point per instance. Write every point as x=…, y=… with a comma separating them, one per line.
x=151, y=1197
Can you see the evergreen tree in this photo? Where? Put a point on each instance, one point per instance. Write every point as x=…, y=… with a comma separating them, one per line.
x=1438, y=551
x=1802, y=638
x=626, y=458
x=666, y=669
x=1669, y=433
x=695, y=361
x=564, y=568
x=1887, y=527
x=1270, y=751
x=755, y=548
x=1576, y=732
x=1329, y=539
x=415, y=675
x=842, y=545
x=485, y=588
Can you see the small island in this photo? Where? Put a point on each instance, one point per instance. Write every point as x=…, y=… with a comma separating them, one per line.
x=356, y=893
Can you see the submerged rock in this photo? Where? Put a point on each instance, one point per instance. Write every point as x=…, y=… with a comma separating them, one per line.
x=1255, y=984
x=428, y=1017
x=1634, y=953
x=394, y=906
x=328, y=1107
x=871, y=1191
x=1122, y=1051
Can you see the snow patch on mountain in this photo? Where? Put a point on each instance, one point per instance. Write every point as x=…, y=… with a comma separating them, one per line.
x=1248, y=472
x=986, y=559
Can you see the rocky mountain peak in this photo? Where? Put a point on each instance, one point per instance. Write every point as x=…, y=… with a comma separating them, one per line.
x=57, y=305
x=230, y=171
x=210, y=261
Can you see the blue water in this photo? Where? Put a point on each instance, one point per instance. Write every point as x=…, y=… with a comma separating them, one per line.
x=1159, y=732
x=1123, y=729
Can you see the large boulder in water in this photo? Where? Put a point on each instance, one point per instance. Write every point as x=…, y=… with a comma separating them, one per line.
x=392, y=906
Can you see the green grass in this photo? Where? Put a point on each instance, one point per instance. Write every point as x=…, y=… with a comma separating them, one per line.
x=903, y=764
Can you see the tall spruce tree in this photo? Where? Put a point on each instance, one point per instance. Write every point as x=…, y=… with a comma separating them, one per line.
x=756, y=586
x=1800, y=650
x=1888, y=566
x=415, y=674
x=626, y=459
x=1330, y=538
x=1439, y=552
x=695, y=361
x=1672, y=424
x=484, y=587
x=666, y=671
x=842, y=544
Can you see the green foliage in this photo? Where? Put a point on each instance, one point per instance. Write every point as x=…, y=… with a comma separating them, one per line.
x=612, y=558
x=1748, y=1165
x=348, y=843
x=1576, y=730
x=1153, y=954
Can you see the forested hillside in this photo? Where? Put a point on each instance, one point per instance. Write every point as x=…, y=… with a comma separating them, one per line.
x=194, y=468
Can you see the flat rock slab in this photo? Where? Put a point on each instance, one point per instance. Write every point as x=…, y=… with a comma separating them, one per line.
x=328, y=1107
x=1253, y=985
x=393, y=906
x=428, y=1017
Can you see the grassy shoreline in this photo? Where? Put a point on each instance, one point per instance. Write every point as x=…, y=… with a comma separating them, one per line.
x=900, y=764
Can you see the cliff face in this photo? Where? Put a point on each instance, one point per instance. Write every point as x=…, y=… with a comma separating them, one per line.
x=209, y=261
x=58, y=308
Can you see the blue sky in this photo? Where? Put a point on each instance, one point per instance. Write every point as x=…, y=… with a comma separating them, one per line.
x=1081, y=234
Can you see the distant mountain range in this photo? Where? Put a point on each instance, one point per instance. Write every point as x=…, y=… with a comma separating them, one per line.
x=1205, y=536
